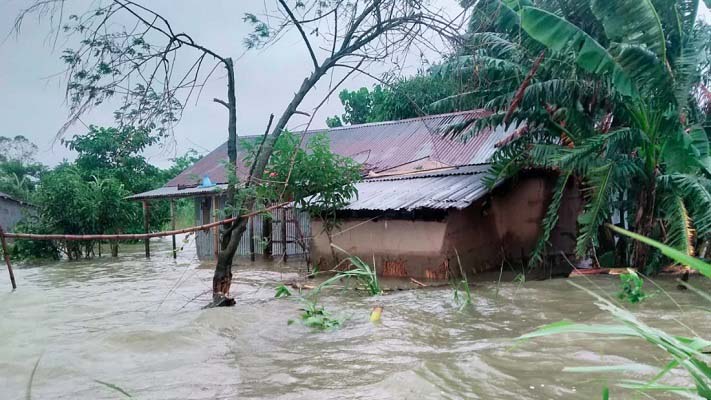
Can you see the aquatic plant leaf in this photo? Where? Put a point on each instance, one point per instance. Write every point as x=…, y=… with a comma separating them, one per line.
x=114, y=387
x=609, y=368
x=282, y=291
x=560, y=327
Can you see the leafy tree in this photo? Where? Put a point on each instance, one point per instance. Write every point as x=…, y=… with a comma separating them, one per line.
x=334, y=122
x=69, y=204
x=311, y=169
x=181, y=163
x=407, y=97
x=609, y=95
x=19, y=171
x=18, y=148
x=358, y=105
x=319, y=181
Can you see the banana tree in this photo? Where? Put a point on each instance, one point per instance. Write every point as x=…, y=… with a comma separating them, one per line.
x=608, y=92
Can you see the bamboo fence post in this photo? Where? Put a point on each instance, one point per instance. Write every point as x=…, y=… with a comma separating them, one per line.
x=283, y=232
x=172, y=226
x=146, y=224
x=216, y=237
x=7, y=258
x=251, y=239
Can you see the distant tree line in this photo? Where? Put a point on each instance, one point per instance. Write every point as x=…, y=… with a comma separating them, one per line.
x=89, y=194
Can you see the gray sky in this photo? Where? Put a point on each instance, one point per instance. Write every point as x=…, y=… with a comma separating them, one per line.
x=32, y=95
x=32, y=100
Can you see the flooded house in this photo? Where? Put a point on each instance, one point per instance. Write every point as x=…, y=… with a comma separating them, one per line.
x=422, y=206
x=11, y=211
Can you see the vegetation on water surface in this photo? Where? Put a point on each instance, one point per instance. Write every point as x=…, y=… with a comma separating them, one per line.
x=315, y=316
x=462, y=293
x=631, y=284
x=282, y=291
x=689, y=353
x=358, y=270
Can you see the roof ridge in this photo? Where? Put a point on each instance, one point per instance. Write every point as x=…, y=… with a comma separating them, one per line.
x=434, y=172
x=400, y=121
x=367, y=124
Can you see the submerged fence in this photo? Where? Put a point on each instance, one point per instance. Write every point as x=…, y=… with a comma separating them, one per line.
x=111, y=237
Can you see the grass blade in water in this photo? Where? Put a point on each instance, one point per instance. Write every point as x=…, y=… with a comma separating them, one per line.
x=114, y=387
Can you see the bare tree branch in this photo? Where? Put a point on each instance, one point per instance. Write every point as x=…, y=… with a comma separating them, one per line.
x=301, y=31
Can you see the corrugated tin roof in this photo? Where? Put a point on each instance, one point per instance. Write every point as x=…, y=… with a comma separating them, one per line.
x=173, y=192
x=438, y=189
x=379, y=146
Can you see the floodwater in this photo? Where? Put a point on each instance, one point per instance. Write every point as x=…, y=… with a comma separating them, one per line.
x=139, y=325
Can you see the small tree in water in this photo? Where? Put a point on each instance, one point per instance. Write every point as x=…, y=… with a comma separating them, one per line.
x=134, y=62
x=317, y=180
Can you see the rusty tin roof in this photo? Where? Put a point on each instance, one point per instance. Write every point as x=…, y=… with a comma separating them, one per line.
x=379, y=146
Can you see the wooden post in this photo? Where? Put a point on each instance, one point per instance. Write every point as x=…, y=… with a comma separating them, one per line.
x=146, y=221
x=251, y=239
x=283, y=231
x=267, y=235
x=215, y=214
x=172, y=225
x=7, y=259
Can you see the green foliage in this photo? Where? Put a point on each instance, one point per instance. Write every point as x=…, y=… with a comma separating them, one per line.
x=427, y=93
x=181, y=163
x=357, y=104
x=69, y=204
x=19, y=172
x=88, y=196
x=315, y=316
x=631, y=287
x=465, y=298
x=319, y=181
x=334, y=122
x=282, y=291
x=614, y=102
x=364, y=275
x=34, y=249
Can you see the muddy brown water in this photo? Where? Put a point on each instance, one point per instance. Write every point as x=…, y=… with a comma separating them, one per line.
x=139, y=325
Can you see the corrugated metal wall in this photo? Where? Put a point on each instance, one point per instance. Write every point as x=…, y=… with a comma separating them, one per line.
x=298, y=232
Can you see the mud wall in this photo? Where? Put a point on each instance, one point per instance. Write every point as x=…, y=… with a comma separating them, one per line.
x=502, y=226
x=400, y=247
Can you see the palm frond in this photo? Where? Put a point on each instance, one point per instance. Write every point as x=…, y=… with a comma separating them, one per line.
x=596, y=209
x=549, y=222
x=679, y=230
x=634, y=22
x=695, y=192
x=558, y=34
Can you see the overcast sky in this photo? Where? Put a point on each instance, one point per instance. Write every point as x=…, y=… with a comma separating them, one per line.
x=32, y=95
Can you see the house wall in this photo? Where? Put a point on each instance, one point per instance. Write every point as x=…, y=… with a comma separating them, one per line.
x=297, y=231
x=10, y=213
x=502, y=226
x=400, y=247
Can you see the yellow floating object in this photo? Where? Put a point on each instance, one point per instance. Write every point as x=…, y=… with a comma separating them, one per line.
x=376, y=313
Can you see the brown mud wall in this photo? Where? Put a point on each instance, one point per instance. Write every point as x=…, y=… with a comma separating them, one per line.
x=501, y=227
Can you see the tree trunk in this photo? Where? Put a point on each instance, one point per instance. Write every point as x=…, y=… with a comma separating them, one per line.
x=644, y=222
x=231, y=236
